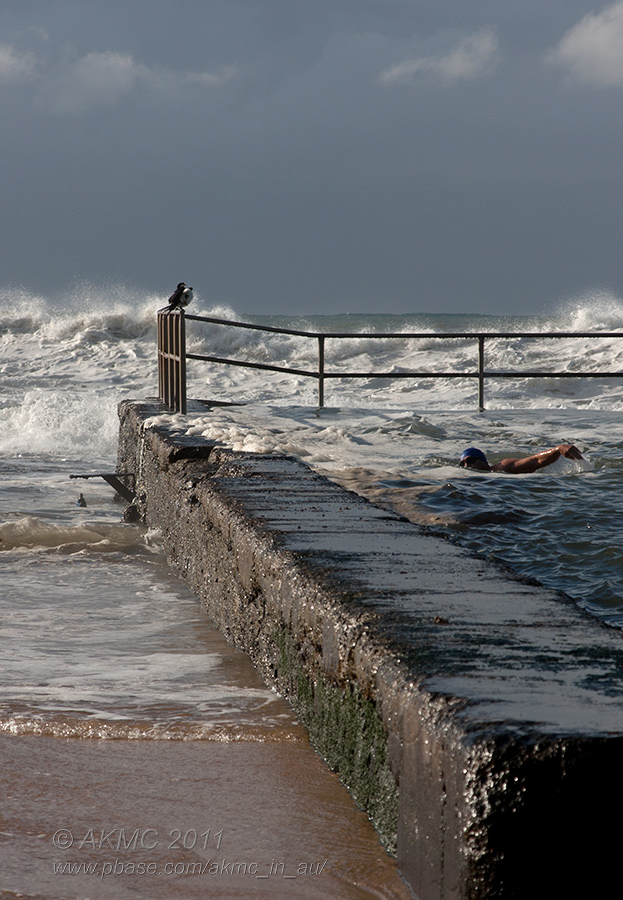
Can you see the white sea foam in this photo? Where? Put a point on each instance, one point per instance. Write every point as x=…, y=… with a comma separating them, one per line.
x=33, y=533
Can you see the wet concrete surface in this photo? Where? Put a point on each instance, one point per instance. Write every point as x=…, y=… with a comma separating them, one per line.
x=477, y=718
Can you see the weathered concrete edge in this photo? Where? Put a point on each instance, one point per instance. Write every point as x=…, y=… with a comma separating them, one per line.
x=276, y=610
x=465, y=798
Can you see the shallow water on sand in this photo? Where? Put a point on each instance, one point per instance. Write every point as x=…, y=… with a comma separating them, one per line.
x=124, y=712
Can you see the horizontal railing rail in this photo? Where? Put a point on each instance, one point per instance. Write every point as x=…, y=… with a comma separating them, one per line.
x=173, y=357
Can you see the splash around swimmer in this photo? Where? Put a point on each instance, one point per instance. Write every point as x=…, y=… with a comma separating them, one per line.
x=473, y=458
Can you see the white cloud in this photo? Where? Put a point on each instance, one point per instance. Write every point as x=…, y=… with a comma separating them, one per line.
x=167, y=81
x=98, y=79
x=593, y=49
x=211, y=79
x=15, y=66
x=472, y=57
x=103, y=79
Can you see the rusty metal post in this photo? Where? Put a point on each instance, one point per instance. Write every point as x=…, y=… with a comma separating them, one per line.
x=481, y=372
x=180, y=368
x=161, y=352
x=172, y=359
x=320, y=371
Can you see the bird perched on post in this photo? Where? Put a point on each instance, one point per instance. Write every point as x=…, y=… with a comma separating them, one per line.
x=181, y=296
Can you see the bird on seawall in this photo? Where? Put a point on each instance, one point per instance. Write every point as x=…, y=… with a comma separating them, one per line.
x=181, y=296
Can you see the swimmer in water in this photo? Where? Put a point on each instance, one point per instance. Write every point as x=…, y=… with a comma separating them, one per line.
x=473, y=458
x=81, y=501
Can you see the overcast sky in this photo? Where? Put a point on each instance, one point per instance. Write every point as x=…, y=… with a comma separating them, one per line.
x=315, y=155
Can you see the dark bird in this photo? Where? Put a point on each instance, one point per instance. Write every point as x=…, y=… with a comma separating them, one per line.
x=181, y=296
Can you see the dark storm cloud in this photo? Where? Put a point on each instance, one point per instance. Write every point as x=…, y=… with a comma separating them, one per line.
x=315, y=156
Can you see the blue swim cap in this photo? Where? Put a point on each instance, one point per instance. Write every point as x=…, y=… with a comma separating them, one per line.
x=473, y=453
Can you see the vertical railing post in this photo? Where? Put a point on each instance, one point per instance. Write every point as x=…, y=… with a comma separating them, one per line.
x=170, y=381
x=481, y=372
x=160, y=329
x=172, y=359
x=169, y=362
x=180, y=369
x=320, y=370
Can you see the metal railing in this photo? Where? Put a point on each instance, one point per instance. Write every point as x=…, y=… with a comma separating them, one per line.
x=171, y=355
x=172, y=359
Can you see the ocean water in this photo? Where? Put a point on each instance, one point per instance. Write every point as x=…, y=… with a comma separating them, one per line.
x=398, y=442
x=120, y=706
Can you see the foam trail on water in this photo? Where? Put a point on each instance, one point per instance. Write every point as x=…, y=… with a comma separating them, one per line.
x=33, y=533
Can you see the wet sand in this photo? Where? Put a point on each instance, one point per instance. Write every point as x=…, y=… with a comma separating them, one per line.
x=168, y=819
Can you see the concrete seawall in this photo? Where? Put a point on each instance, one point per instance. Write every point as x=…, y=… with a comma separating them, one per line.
x=478, y=719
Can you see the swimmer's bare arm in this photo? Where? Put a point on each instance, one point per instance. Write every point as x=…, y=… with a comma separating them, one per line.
x=538, y=461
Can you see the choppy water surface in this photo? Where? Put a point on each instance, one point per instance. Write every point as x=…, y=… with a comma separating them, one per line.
x=563, y=531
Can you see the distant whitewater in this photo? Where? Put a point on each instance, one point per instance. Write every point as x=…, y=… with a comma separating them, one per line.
x=65, y=363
